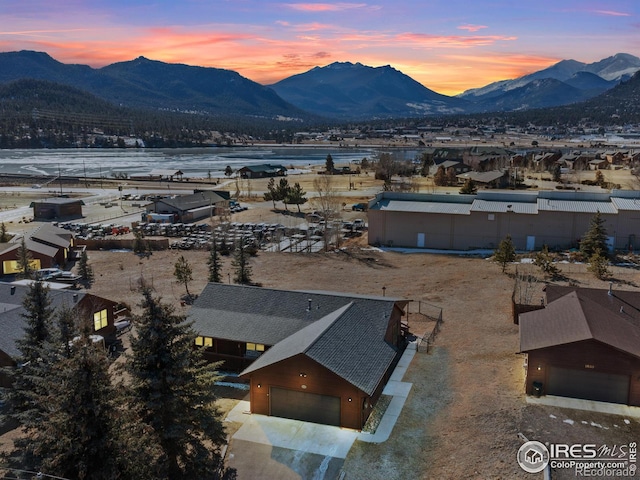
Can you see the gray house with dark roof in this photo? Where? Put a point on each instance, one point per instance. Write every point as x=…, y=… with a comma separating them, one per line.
x=262, y=171
x=584, y=344
x=322, y=357
x=193, y=207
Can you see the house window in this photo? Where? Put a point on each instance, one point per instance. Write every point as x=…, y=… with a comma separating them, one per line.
x=254, y=349
x=11, y=266
x=100, y=319
x=204, y=342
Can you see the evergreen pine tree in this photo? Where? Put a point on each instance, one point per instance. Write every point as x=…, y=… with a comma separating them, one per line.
x=329, y=165
x=38, y=317
x=224, y=247
x=544, y=260
x=297, y=196
x=595, y=239
x=4, y=237
x=77, y=438
x=283, y=191
x=172, y=394
x=241, y=264
x=24, y=260
x=84, y=269
x=215, y=266
x=598, y=265
x=271, y=194
x=469, y=187
x=506, y=253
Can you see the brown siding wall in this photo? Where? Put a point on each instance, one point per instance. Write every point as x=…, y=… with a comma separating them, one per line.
x=576, y=356
x=286, y=374
x=485, y=230
x=5, y=377
x=91, y=304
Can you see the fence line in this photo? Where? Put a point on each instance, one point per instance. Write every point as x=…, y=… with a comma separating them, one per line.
x=430, y=311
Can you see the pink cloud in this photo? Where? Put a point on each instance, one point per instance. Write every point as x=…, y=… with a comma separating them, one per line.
x=427, y=40
x=472, y=28
x=612, y=13
x=324, y=7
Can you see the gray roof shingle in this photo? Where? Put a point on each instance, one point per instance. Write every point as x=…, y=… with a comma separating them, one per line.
x=195, y=200
x=12, y=322
x=344, y=333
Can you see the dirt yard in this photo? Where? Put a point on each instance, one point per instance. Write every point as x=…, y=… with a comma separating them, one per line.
x=467, y=406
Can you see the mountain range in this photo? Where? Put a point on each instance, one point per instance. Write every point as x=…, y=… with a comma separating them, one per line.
x=339, y=91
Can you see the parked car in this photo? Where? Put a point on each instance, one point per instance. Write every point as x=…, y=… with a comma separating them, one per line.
x=359, y=207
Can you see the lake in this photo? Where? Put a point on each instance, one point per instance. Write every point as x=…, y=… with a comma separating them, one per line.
x=194, y=162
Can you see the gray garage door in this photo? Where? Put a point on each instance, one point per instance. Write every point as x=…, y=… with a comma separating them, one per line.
x=603, y=387
x=308, y=407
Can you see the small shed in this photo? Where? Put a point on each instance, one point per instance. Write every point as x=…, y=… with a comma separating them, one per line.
x=57, y=208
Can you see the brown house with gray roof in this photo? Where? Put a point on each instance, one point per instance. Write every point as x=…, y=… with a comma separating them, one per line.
x=584, y=344
x=48, y=245
x=322, y=357
x=98, y=311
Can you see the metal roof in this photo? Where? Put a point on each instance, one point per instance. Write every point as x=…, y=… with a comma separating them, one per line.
x=550, y=205
x=632, y=204
x=529, y=208
x=423, y=207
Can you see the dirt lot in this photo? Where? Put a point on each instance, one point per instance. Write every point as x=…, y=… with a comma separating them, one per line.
x=466, y=406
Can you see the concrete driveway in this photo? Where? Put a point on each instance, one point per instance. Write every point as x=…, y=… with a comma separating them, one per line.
x=270, y=447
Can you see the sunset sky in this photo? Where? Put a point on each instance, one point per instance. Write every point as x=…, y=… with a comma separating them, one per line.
x=447, y=45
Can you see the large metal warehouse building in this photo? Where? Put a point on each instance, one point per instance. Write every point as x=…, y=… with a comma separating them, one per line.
x=557, y=219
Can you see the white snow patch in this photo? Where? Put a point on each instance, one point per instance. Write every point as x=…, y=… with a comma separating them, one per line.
x=569, y=421
x=594, y=424
x=552, y=415
x=627, y=421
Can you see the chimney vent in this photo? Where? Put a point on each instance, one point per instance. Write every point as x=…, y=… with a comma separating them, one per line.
x=309, y=307
x=13, y=289
x=75, y=298
x=610, y=288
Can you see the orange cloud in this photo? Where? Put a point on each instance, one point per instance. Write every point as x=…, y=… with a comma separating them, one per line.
x=426, y=40
x=453, y=74
x=267, y=54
